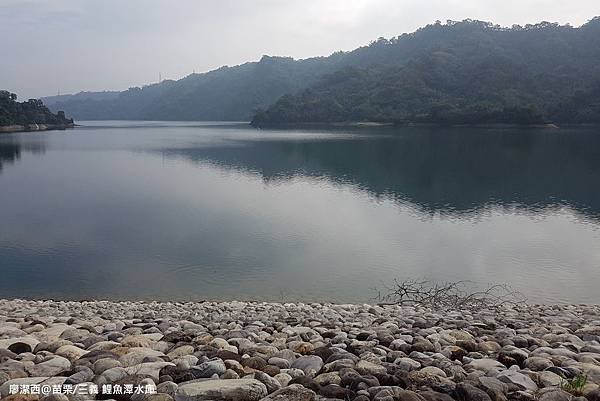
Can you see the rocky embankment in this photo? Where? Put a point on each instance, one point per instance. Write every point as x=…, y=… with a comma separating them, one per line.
x=264, y=351
x=34, y=127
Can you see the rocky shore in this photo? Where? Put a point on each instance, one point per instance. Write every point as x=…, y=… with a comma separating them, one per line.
x=240, y=351
x=34, y=127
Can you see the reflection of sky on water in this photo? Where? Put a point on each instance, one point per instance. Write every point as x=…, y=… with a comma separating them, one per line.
x=226, y=213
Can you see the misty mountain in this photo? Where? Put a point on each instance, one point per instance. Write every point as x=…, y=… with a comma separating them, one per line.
x=469, y=71
x=228, y=93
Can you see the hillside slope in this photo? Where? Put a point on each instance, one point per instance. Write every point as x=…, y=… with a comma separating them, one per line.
x=465, y=71
x=475, y=73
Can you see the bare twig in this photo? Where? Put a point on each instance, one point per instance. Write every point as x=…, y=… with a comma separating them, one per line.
x=449, y=295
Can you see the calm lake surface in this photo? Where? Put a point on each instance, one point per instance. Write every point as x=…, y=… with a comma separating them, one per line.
x=192, y=211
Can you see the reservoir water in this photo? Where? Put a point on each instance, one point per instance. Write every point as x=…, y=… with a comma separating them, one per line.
x=193, y=211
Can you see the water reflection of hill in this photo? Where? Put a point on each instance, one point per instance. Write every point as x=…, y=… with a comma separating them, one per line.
x=448, y=171
x=9, y=153
x=10, y=150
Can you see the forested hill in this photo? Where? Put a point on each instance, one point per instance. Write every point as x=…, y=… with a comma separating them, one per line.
x=459, y=72
x=463, y=73
x=29, y=115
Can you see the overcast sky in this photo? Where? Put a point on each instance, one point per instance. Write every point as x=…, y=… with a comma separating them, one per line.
x=72, y=45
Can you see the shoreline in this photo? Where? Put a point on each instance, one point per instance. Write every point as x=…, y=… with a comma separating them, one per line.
x=250, y=351
x=34, y=127
x=376, y=124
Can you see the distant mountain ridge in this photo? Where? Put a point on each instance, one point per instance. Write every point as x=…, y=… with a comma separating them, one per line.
x=227, y=93
x=458, y=72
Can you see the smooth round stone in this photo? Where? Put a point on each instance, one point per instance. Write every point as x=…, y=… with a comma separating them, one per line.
x=237, y=389
x=468, y=392
x=521, y=380
x=279, y=362
x=294, y=373
x=286, y=354
x=137, y=341
x=309, y=364
x=270, y=383
x=422, y=345
x=167, y=387
x=432, y=370
x=283, y=378
x=399, y=345
x=538, y=363
x=71, y=352
x=485, y=365
x=83, y=374
x=53, y=366
x=137, y=355
x=369, y=368
x=554, y=395
x=254, y=362
x=230, y=374
x=104, y=364
x=489, y=346
x=328, y=378
x=209, y=368
x=181, y=351
x=550, y=379
x=293, y=392
x=110, y=326
x=302, y=347
x=271, y=370
x=219, y=343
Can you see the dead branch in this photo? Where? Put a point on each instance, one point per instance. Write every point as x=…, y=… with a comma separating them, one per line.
x=449, y=295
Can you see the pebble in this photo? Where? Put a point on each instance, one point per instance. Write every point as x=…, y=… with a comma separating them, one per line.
x=214, y=390
x=252, y=351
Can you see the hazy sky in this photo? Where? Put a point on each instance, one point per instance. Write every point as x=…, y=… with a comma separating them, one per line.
x=74, y=45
